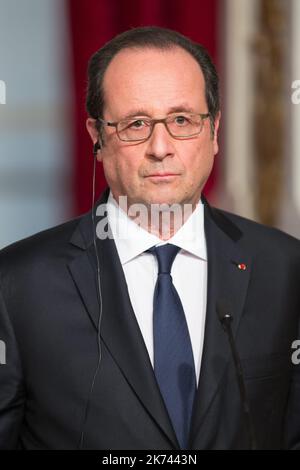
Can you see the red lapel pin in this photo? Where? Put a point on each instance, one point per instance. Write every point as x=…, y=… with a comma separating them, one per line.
x=242, y=267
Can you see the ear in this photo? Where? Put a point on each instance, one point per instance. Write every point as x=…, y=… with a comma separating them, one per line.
x=92, y=130
x=94, y=134
x=216, y=131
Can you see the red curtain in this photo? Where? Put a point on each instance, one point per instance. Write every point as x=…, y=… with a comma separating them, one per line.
x=94, y=22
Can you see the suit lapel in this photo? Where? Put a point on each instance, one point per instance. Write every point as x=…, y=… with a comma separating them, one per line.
x=119, y=328
x=225, y=281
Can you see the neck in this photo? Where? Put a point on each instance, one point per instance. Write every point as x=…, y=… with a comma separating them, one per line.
x=161, y=220
x=165, y=223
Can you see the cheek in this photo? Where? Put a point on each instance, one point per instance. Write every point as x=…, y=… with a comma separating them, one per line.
x=199, y=165
x=119, y=167
x=110, y=165
x=201, y=157
x=127, y=165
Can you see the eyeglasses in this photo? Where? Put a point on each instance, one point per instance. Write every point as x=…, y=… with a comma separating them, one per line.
x=179, y=126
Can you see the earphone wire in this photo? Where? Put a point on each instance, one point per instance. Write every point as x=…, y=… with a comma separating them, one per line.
x=99, y=294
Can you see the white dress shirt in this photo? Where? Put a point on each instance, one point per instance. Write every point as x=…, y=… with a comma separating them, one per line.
x=189, y=272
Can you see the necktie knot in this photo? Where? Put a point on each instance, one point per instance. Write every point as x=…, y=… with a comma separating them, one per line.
x=165, y=255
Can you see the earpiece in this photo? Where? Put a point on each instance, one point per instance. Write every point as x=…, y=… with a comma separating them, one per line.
x=97, y=146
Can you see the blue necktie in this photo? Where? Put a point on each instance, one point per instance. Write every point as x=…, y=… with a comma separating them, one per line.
x=173, y=355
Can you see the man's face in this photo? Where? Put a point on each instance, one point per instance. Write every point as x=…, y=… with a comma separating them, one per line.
x=153, y=83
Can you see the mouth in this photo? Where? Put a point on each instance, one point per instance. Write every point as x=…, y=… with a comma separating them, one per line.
x=162, y=175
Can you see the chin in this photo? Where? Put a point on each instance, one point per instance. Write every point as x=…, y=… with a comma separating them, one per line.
x=162, y=199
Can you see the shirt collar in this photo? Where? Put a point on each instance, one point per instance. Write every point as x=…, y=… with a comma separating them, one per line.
x=132, y=240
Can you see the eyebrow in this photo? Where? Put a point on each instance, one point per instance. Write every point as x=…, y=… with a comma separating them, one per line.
x=174, y=109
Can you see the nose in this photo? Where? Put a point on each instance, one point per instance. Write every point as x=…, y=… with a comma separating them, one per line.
x=160, y=143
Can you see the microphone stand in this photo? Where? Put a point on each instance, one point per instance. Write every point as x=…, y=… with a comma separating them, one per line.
x=226, y=320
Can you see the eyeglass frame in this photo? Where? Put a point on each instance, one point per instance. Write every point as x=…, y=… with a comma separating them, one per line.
x=153, y=122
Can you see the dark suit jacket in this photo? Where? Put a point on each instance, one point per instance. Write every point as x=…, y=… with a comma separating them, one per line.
x=48, y=319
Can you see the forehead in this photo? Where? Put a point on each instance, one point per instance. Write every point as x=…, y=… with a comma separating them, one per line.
x=153, y=79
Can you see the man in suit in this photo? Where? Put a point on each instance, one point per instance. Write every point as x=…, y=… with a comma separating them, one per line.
x=114, y=342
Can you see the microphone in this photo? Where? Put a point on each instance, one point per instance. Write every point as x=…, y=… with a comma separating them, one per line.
x=225, y=317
